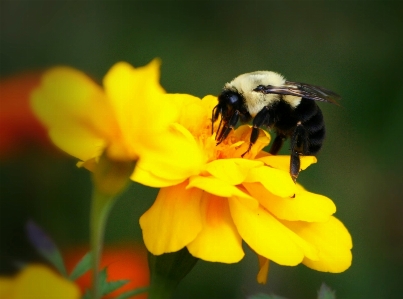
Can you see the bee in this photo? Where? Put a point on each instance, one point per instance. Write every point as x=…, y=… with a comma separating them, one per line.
x=289, y=108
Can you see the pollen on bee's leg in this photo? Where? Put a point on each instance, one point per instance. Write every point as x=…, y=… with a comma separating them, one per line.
x=294, y=177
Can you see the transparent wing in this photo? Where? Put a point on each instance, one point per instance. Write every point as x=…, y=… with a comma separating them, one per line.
x=304, y=90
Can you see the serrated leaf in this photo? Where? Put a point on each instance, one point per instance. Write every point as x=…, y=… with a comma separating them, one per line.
x=132, y=293
x=82, y=266
x=113, y=285
x=108, y=287
x=45, y=246
x=265, y=296
x=326, y=293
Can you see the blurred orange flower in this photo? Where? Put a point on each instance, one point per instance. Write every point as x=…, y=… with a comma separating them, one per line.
x=18, y=125
x=127, y=262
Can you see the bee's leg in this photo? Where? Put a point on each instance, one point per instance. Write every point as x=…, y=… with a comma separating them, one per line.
x=228, y=126
x=277, y=144
x=298, y=147
x=262, y=118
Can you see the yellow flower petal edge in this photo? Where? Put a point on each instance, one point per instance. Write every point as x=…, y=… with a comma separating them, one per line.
x=283, y=162
x=332, y=240
x=277, y=181
x=219, y=238
x=38, y=281
x=173, y=221
x=216, y=186
x=263, y=269
x=302, y=206
x=269, y=237
x=69, y=103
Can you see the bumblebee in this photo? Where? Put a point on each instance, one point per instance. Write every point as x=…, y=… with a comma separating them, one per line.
x=289, y=108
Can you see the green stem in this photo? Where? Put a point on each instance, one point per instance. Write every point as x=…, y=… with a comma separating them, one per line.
x=110, y=179
x=101, y=206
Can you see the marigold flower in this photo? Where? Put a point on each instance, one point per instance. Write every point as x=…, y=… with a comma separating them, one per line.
x=126, y=119
x=37, y=281
x=252, y=198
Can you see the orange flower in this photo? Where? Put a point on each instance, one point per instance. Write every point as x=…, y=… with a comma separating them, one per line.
x=18, y=125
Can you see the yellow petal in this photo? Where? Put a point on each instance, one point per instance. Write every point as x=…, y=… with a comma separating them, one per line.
x=192, y=114
x=78, y=142
x=135, y=97
x=37, y=281
x=133, y=94
x=332, y=240
x=268, y=237
x=175, y=158
x=304, y=206
x=263, y=269
x=276, y=181
x=173, y=221
x=219, y=240
x=243, y=133
x=6, y=286
x=232, y=171
x=216, y=186
x=147, y=178
x=75, y=110
x=283, y=162
x=209, y=102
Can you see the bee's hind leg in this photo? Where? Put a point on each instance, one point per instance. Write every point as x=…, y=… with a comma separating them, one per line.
x=299, y=143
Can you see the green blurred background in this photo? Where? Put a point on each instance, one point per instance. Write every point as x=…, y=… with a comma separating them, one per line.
x=354, y=48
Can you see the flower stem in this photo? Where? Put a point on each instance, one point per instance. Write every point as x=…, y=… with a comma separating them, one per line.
x=101, y=206
x=110, y=179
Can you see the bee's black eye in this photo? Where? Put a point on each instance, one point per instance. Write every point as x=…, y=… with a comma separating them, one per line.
x=230, y=98
x=233, y=99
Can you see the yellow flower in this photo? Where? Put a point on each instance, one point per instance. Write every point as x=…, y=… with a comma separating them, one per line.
x=37, y=282
x=253, y=199
x=126, y=119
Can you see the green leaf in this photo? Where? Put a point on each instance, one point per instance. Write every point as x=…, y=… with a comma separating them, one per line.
x=45, y=246
x=112, y=286
x=265, y=296
x=82, y=266
x=129, y=294
x=326, y=293
x=108, y=287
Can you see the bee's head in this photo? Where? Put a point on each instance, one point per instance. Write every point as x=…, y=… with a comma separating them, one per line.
x=230, y=98
x=229, y=101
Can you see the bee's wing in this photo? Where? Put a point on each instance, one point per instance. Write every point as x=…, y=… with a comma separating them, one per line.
x=307, y=91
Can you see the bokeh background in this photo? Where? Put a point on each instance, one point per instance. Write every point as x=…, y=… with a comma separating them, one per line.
x=354, y=48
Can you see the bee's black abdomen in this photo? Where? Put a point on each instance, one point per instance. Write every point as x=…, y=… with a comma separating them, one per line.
x=311, y=118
